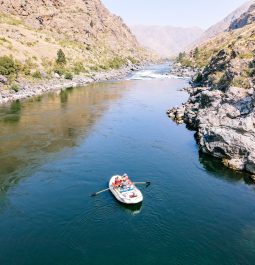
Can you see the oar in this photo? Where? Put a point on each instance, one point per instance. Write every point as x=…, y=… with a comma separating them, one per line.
x=147, y=183
x=101, y=191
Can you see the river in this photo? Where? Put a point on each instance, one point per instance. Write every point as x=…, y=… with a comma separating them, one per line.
x=57, y=149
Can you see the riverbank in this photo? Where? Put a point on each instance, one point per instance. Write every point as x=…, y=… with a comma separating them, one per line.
x=224, y=124
x=31, y=88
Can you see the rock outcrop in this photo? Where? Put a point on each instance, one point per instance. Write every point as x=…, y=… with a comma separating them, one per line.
x=221, y=107
x=245, y=19
x=225, y=124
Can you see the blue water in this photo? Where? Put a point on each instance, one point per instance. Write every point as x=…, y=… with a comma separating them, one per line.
x=57, y=149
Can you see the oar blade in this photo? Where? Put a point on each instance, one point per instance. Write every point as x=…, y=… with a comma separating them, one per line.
x=148, y=183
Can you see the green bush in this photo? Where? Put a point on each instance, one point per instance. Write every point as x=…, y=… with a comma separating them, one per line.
x=7, y=66
x=94, y=68
x=37, y=75
x=15, y=87
x=116, y=63
x=61, y=58
x=60, y=70
x=78, y=68
x=198, y=78
x=68, y=76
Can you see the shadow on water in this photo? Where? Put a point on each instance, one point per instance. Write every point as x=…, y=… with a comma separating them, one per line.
x=215, y=166
x=35, y=130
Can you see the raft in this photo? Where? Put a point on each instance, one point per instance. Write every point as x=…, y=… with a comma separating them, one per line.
x=128, y=194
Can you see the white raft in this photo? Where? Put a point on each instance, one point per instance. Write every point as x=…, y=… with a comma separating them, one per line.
x=128, y=195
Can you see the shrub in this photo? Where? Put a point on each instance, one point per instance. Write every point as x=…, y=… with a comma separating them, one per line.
x=196, y=53
x=78, y=68
x=60, y=70
x=15, y=87
x=251, y=70
x=37, y=75
x=116, y=63
x=26, y=71
x=7, y=66
x=94, y=68
x=61, y=58
x=198, y=78
x=132, y=60
x=68, y=76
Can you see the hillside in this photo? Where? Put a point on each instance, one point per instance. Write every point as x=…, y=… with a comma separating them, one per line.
x=32, y=32
x=167, y=41
x=224, y=24
x=228, y=59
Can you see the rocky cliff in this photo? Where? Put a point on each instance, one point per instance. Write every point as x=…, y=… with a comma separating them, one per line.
x=167, y=41
x=221, y=107
x=90, y=36
x=246, y=18
x=225, y=124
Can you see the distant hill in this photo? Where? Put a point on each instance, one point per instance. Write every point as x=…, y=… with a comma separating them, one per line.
x=167, y=41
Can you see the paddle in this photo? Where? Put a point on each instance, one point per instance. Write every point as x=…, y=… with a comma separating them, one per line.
x=101, y=191
x=147, y=183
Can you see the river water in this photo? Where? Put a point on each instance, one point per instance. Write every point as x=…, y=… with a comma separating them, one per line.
x=57, y=149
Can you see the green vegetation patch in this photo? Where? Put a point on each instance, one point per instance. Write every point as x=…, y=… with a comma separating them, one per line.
x=68, y=76
x=61, y=58
x=8, y=66
x=10, y=20
x=15, y=87
x=37, y=75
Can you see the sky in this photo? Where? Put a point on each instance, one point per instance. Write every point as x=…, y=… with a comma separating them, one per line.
x=181, y=13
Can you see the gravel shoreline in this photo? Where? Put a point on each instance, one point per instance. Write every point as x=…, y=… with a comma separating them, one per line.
x=29, y=89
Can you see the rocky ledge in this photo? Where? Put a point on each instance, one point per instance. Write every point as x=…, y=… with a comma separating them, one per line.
x=29, y=89
x=225, y=124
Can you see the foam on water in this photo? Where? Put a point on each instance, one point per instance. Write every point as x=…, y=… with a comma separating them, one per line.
x=150, y=74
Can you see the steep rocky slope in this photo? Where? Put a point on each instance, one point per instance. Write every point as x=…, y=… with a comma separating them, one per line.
x=167, y=41
x=90, y=36
x=223, y=25
x=246, y=18
x=222, y=106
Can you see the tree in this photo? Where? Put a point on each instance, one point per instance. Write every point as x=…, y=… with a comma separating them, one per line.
x=61, y=58
x=196, y=53
x=181, y=56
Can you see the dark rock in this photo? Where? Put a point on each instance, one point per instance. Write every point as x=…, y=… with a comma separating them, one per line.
x=3, y=79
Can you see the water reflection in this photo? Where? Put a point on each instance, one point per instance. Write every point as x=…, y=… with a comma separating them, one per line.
x=215, y=166
x=131, y=209
x=10, y=113
x=32, y=130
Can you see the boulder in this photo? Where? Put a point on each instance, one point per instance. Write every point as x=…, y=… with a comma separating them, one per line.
x=3, y=79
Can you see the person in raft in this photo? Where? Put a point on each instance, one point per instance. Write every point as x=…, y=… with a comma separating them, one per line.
x=117, y=183
x=126, y=181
